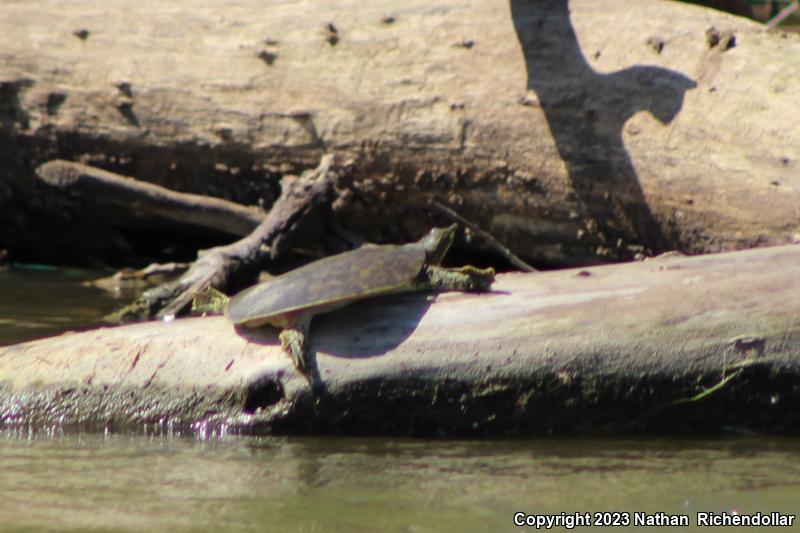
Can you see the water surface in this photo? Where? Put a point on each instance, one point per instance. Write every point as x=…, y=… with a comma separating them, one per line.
x=167, y=482
x=39, y=300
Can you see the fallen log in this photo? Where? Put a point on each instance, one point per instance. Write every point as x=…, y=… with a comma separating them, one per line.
x=573, y=132
x=145, y=202
x=675, y=344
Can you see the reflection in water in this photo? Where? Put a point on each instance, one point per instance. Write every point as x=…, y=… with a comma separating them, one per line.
x=36, y=301
x=173, y=483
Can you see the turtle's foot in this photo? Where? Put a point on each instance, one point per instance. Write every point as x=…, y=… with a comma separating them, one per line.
x=467, y=278
x=209, y=301
x=294, y=342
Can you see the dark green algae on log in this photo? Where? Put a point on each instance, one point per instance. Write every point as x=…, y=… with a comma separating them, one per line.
x=702, y=344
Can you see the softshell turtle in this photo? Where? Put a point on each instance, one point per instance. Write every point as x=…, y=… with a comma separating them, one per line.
x=290, y=301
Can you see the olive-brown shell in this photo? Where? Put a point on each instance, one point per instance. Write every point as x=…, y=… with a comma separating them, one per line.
x=329, y=283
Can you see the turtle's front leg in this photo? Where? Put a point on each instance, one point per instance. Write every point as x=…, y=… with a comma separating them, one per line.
x=294, y=341
x=467, y=278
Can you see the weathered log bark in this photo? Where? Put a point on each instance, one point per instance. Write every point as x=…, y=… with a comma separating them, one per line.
x=142, y=202
x=669, y=345
x=572, y=132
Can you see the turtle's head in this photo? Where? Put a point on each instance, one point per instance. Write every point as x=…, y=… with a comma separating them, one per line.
x=437, y=242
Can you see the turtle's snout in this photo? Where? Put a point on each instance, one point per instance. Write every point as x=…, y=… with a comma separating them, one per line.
x=437, y=242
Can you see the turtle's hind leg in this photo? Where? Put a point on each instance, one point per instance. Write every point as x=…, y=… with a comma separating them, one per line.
x=294, y=341
x=467, y=278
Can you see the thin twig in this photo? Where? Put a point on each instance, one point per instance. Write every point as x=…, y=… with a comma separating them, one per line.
x=486, y=236
x=783, y=15
x=740, y=366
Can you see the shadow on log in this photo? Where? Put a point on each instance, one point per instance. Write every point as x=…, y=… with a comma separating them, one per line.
x=587, y=124
x=671, y=345
x=568, y=130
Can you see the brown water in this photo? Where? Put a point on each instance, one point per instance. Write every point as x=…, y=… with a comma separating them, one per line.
x=37, y=301
x=159, y=481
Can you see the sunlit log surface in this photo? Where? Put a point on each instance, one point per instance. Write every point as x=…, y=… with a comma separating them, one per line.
x=572, y=132
x=675, y=344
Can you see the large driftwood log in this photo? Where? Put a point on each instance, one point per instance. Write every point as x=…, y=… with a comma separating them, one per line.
x=569, y=131
x=669, y=345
